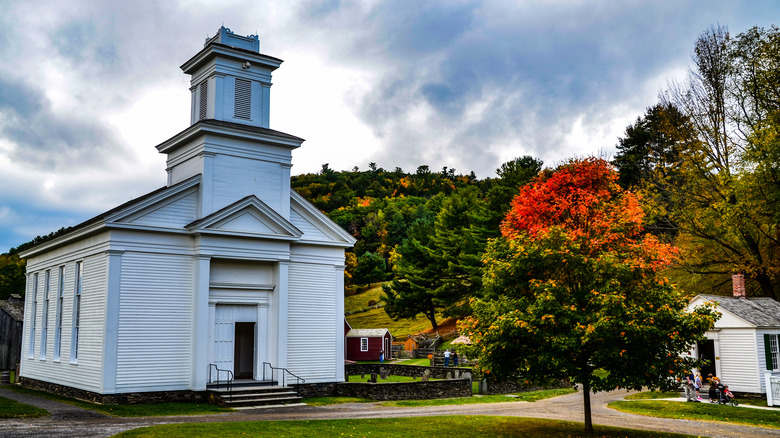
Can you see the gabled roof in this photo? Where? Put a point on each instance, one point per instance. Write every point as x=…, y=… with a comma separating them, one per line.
x=248, y=216
x=317, y=226
x=96, y=223
x=14, y=309
x=760, y=312
x=367, y=333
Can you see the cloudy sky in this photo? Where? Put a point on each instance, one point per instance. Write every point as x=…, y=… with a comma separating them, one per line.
x=88, y=88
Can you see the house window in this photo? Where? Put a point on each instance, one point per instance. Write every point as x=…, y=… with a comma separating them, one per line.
x=74, y=339
x=363, y=344
x=45, y=315
x=243, y=99
x=772, y=352
x=31, y=350
x=60, y=301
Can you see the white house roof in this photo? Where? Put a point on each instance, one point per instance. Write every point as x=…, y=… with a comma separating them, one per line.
x=760, y=312
x=367, y=333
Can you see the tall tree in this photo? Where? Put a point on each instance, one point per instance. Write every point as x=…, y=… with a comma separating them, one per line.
x=724, y=196
x=438, y=267
x=572, y=286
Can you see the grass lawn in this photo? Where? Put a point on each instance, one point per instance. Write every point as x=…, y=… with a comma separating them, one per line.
x=13, y=409
x=150, y=410
x=421, y=362
x=530, y=396
x=482, y=426
x=700, y=411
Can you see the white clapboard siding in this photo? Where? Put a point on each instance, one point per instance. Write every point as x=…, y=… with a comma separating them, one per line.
x=175, y=214
x=186, y=169
x=154, y=336
x=310, y=232
x=235, y=178
x=311, y=336
x=87, y=372
x=739, y=360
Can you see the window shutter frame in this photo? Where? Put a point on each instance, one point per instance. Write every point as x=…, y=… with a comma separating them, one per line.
x=770, y=365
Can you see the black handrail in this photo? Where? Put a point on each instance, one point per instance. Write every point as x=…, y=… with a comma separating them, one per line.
x=228, y=381
x=298, y=381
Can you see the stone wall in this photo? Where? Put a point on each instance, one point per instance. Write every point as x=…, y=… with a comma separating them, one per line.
x=406, y=390
x=128, y=398
x=404, y=370
x=510, y=387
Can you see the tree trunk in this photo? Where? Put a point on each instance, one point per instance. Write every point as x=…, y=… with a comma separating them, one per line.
x=766, y=286
x=586, y=401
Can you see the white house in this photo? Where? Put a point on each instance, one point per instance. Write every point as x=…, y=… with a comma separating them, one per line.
x=225, y=266
x=744, y=342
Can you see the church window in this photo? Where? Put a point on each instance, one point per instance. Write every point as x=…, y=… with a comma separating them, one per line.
x=74, y=340
x=31, y=352
x=45, y=315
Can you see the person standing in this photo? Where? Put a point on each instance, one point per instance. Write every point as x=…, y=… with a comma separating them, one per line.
x=690, y=392
x=454, y=358
x=697, y=384
x=382, y=356
x=447, y=358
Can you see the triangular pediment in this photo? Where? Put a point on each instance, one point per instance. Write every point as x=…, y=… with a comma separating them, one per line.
x=173, y=207
x=248, y=217
x=317, y=228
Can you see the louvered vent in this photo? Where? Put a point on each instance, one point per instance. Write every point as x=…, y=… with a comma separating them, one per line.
x=204, y=98
x=242, y=108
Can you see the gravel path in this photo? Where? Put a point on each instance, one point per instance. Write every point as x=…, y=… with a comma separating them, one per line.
x=71, y=421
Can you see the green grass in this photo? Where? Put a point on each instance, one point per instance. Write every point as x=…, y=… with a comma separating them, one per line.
x=530, y=396
x=420, y=362
x=700, y=411
x=324, y=401
x=13, y=409
x=148, y=410
x=482, y=426
x=389, y=379
x=377, y=318
x=360, y=300
x=651, y=395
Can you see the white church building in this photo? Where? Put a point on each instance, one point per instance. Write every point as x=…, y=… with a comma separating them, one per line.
x=224, y=267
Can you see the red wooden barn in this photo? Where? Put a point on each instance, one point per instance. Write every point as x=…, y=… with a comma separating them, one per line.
x=367, y=344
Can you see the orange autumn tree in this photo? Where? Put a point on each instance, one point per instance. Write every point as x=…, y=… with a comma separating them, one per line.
x=572, y=286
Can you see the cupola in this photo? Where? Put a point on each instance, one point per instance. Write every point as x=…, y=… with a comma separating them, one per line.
x=231, y=80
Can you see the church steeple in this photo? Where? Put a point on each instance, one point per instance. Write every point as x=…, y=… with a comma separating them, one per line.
x=231, y=80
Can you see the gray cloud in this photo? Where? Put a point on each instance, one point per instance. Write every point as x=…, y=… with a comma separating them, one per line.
x=43, y=139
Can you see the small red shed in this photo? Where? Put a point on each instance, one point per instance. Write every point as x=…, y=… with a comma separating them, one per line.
x=367, y=344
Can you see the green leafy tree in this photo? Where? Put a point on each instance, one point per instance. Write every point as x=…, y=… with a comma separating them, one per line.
x=573, y=286
x=724, y=193
x=370, y=269
x=12, y=277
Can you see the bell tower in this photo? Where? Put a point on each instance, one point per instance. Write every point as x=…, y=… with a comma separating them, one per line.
x=231, y=80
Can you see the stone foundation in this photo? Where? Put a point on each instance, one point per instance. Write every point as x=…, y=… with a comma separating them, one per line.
x=128, y=398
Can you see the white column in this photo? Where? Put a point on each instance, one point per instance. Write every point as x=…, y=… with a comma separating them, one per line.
x=261, y=339
x=114, y=268
x=200, y=322
x=340, y=351
x=281, y=292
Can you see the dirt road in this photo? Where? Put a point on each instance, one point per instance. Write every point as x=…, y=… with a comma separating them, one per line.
x=70, y=421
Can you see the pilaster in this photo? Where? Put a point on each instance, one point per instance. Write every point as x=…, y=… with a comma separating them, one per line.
x=200, y=322
x=339, y=321
x=282, y=285
x=111, y=323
